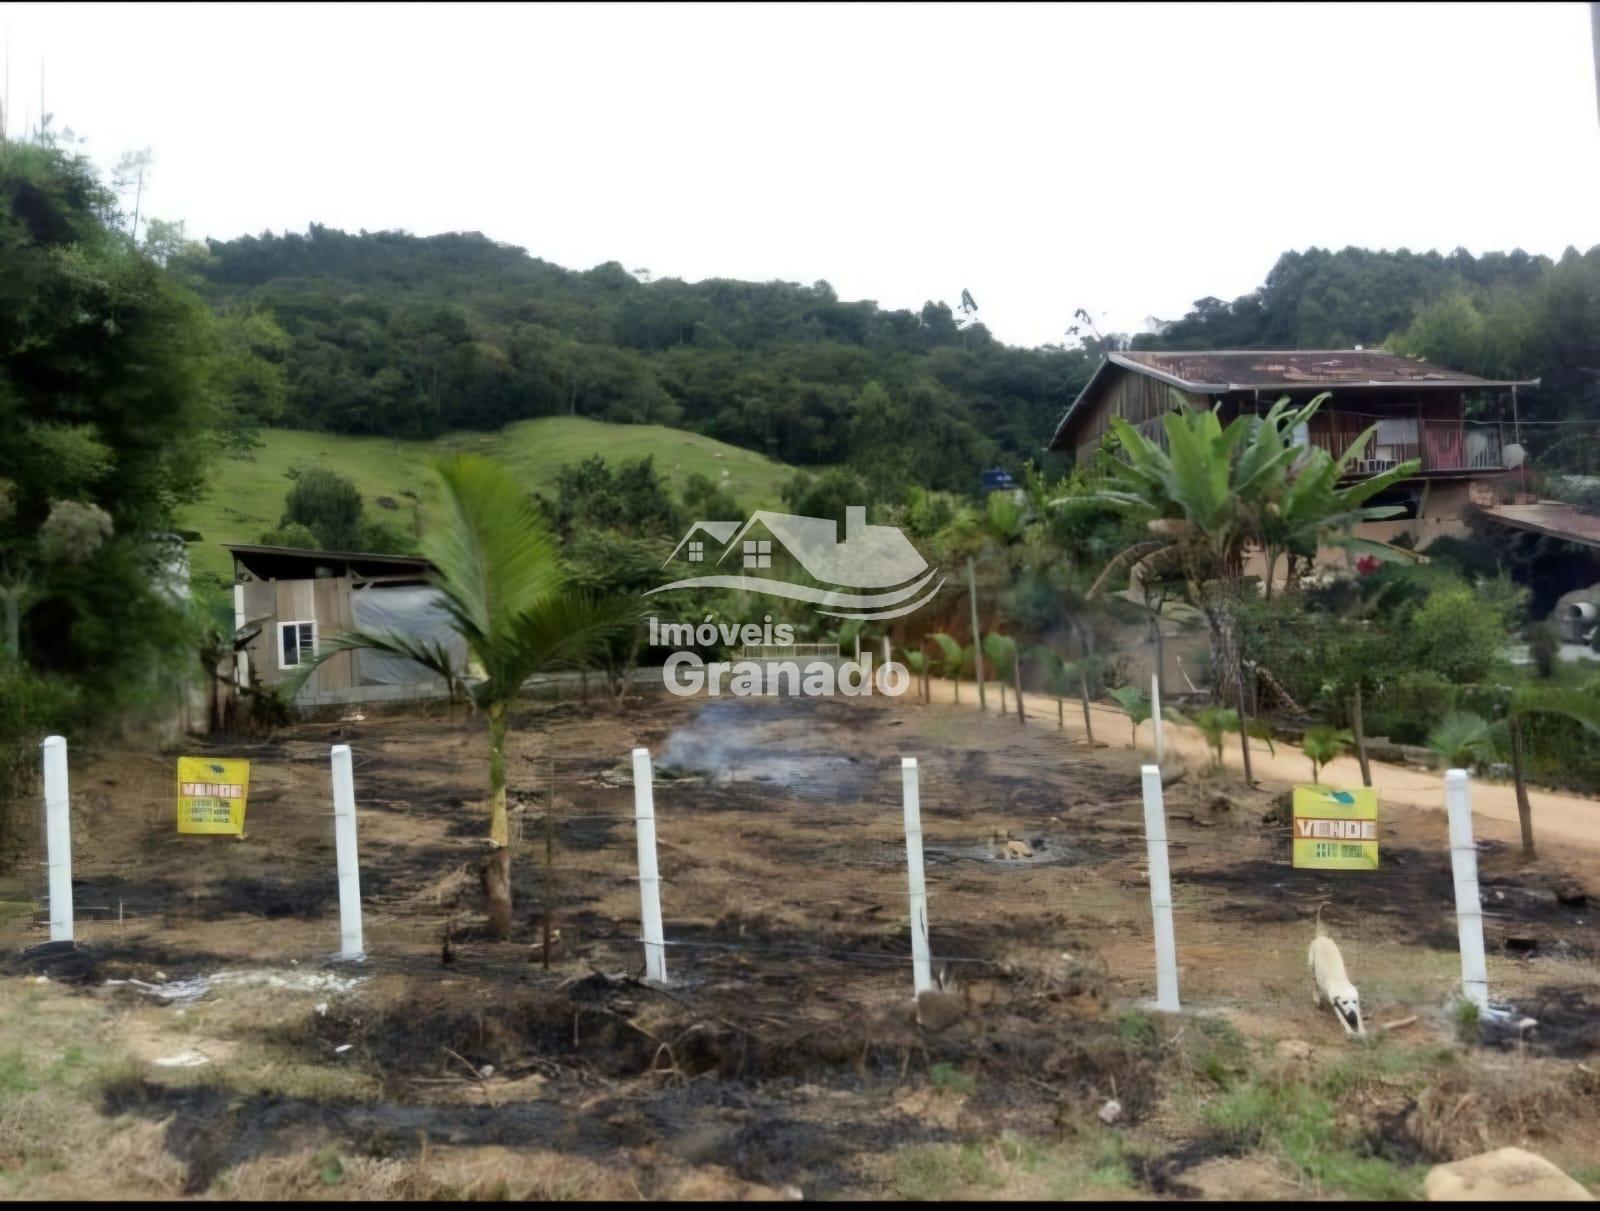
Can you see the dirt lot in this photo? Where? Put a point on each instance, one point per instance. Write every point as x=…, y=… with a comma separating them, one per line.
x=198, y=1040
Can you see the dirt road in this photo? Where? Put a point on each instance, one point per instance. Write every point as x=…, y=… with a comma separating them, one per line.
x=1558, y=819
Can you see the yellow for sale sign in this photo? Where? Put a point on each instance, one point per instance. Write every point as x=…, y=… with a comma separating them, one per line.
x=1336, y=829
x=211, y=794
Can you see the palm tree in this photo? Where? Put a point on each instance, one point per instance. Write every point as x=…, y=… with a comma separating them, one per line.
x=1135, y=705
x=1541, y=698
x=1215, y=723
x=1462, y=739
x=975, y=534
x=919, y=664
x=1004, y=657
x=500, y=578
x=1322, y=744
x=950, y=657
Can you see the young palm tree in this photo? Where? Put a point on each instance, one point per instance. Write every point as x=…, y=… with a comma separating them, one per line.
x=501, y=580
x=1461, y=739
x=1135, y=705
x=1003, y=656
x=1323, y=744
x=950, y=659
x=995, y=530
x=919, y=664
x=1215, y=723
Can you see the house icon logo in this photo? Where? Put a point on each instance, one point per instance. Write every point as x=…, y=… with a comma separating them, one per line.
x=869, y=572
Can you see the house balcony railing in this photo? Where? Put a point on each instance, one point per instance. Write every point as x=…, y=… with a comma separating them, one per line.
x=1441, y=445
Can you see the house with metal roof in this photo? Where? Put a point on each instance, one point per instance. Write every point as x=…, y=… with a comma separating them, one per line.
x=1459, y=426
x=287, y=603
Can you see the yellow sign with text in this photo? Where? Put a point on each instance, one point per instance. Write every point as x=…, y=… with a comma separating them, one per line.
x=1336, y=829
x=211, y=794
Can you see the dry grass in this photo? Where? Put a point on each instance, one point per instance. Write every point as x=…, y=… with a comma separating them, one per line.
x=1473, y=1108
x=485, y=1173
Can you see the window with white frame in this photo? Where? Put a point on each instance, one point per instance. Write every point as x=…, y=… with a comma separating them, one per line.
x=697, y=552
x=758, y=553
x=297, y=644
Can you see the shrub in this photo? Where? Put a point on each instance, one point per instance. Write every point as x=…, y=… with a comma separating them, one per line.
x=328, y=505
x=31, y=707
x=1406, y=707
x=291, y=535
x=1457, y=633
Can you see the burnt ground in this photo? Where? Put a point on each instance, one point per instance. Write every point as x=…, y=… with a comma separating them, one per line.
x=783, y=1054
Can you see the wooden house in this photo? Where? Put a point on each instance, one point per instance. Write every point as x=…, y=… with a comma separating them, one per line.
x=290, y=601
x=1453, y=422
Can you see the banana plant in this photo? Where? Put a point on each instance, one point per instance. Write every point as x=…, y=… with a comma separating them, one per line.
x=1213, y=491
x=1317, y=507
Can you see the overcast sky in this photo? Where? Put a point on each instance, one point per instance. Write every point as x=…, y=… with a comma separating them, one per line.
x=1123, y=158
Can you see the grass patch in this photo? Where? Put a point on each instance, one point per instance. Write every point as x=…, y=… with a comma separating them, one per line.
x=1298, y=1122
x=1218, y=1053
x=948, y=1078
x=1138, y=1029
x=1013, y=1166
x=1378, y=1063
x=1586, y=1175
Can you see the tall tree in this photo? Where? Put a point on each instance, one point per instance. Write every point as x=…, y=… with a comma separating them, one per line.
x=107, y=408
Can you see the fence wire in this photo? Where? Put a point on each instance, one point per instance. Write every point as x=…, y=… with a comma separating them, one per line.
x=788, y=866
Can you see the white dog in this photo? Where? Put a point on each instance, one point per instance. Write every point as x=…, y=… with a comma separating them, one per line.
x=1330, y=983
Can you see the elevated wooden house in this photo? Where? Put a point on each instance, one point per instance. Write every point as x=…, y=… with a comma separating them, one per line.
x=1453, y=422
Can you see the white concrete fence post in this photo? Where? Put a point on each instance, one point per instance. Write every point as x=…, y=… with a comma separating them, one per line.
x=344, y=841
x=644, y=819
x=1155, y=717
x=1155, y=832
x=58, y=837
x=1469, y=907
x=917, y=901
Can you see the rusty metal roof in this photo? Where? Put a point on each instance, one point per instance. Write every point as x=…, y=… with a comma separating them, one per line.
x=1550, y=517
x=1216, y=372
x=1229, y=370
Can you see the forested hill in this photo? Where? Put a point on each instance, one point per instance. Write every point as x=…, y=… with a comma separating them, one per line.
x=392, y=334
x=385, y=333
x=1500, y=315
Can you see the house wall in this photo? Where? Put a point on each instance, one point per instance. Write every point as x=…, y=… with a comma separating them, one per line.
x=1133, y=397
x=1443, y=512
x=325, y=601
